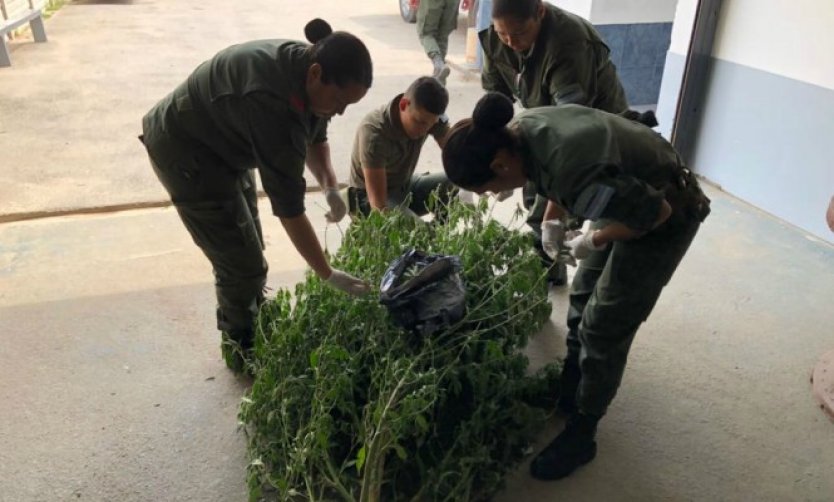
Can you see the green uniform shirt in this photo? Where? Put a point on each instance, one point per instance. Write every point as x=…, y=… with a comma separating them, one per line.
x=249, y=106
x=596, y=164
x=568, y=63
x=381, y=143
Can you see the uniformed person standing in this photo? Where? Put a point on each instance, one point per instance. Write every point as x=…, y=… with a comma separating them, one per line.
x=436, y=20
x=543, y=56
x=646, y=208
x=263, y=104
x=387, y=148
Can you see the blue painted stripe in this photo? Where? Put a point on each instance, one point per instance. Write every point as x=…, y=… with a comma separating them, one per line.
x=638, y=51
x=766, y=149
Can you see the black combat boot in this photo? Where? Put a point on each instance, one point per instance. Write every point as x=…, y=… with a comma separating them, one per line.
x=573, y=447
x=236, y=347
x=568, y=384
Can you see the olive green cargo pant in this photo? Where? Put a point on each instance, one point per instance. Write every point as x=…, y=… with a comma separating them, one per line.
x=436, y=20
x=612, y=293
x=419, y=189
x=219, y=208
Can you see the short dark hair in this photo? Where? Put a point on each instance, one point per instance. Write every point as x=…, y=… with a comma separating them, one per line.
x=472, y=144
x=344, y=59
x=516, y=9
x=428, y=94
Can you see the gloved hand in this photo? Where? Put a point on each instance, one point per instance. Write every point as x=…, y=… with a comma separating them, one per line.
x=503, y=195
x=338, y=209
x=553, y=237
x=348, y=283
x=582, y=245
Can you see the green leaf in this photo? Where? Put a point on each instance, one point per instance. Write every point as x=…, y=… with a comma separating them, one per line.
x=422, y=424
x=360, y=459
x=400, y=452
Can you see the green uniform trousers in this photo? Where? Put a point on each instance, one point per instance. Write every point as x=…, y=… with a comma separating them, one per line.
x=436, y=19
x=612, y=293
x=419, y=190
x=219, y=208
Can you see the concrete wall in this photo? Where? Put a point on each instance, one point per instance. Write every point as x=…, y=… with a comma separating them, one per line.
x=620, y=11
x=638, y=33
x=768, y=112
x=674, y=65
x=638, y=50
x=578, y=7
x=682, y=31
x=792, y=39
x=632, y=11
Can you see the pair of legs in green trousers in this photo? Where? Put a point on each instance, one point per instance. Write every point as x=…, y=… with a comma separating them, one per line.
x=219, y=208
x=613, y=292
x=417, y=193
x=436, y=20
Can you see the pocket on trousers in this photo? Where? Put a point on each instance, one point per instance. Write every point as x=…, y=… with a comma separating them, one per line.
x=214, y=225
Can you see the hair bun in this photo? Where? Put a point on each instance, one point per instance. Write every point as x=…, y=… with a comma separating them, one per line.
x=493, y=111
x=316, y=30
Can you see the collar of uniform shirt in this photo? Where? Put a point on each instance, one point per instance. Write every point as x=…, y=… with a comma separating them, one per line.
x=299, y=97
x=393, y=116
x=522, y=56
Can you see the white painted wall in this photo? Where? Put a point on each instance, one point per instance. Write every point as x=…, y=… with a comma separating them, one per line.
x=682, y=27
x=620, y=11
x=578, y=7
x=632, y=11
x=670, y=85
x=670, y=88
x=794, y=39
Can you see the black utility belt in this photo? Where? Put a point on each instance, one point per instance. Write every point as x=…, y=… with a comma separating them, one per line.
x=686, y=196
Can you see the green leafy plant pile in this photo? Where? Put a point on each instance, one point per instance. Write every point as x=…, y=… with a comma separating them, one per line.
x=347, y=406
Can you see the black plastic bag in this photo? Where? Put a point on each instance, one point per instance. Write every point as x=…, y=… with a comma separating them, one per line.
x=431, y=299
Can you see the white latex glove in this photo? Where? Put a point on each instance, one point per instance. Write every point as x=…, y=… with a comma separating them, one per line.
x=466, y=196
x=582, y=245
x=338, y=209
x=348, y=283
x=553, y=237
x=503, y=195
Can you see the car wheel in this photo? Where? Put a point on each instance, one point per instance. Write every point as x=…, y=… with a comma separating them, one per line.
x=408, y=10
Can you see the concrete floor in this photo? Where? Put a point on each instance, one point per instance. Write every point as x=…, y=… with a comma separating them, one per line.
x=113, y=388
x=111, y=383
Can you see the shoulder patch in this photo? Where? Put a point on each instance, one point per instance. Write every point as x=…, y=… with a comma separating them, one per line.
x=570, y=95
x=593, y=201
